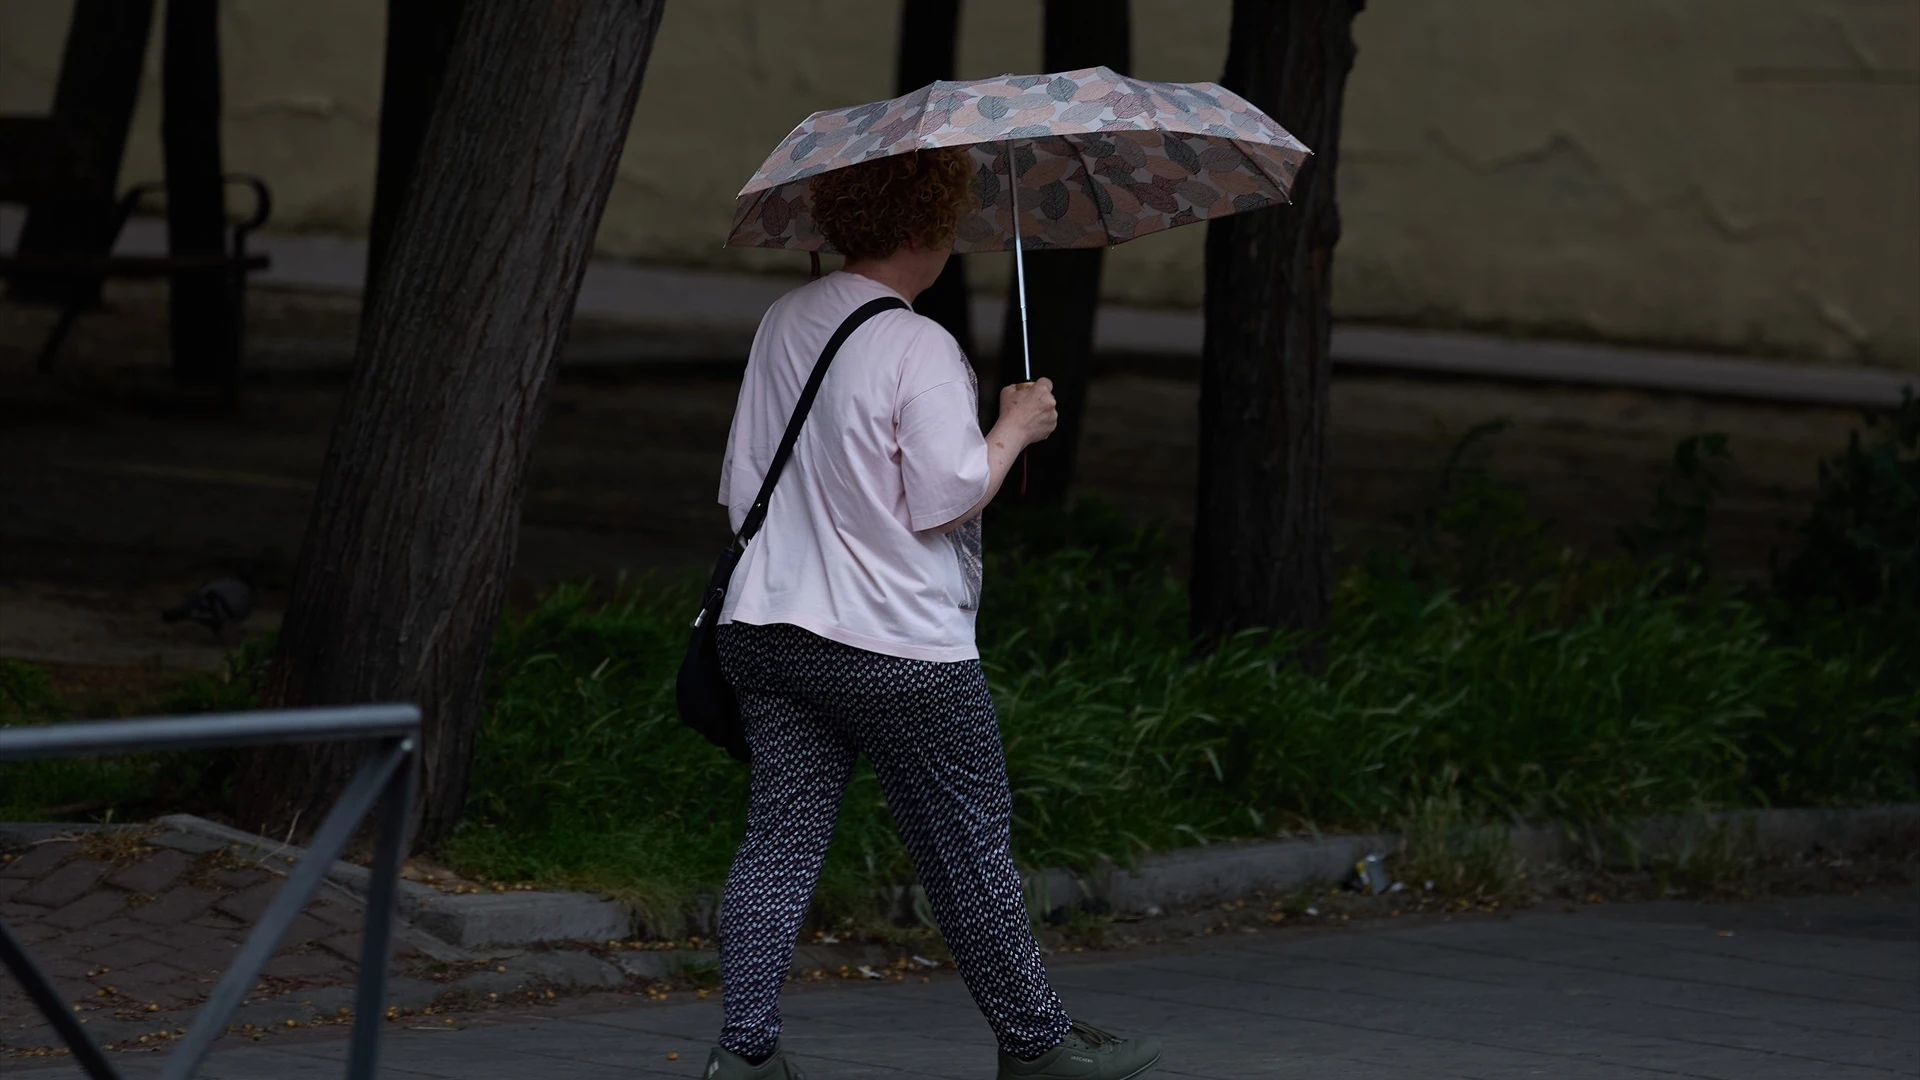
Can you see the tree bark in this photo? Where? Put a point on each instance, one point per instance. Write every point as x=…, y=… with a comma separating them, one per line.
x=419, y=40
x=203, y=307
x=99, y=82
x=929, y=41
x=1262, y=550
x=1063, y=287
x=407, y=554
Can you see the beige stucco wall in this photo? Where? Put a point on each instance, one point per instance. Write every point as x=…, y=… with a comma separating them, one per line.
x=1730, y=173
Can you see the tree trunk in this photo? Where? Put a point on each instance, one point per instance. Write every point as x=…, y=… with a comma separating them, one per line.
x=929, y=39
x=204, y=307
x=1262, y=541
x=99, y=82
x=1063, y=287
x=407, y=554
x=419, y=40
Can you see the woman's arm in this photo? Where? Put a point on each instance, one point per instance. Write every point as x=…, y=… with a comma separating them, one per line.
x=1027, y=415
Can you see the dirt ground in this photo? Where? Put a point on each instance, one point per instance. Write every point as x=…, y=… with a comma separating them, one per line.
x=123, y=492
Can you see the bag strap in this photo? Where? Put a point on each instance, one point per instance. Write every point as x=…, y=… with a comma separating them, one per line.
x=757, y=513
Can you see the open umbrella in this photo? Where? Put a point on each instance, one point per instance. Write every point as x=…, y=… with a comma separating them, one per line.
x=1100, y=159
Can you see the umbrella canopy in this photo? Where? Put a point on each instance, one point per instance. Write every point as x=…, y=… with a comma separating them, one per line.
x=1101, y=159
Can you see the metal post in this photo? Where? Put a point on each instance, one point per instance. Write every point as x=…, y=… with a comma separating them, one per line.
x=386, y=776
x=92, y=737
x=1019, y=264
x=376, y=937
x=260, y=945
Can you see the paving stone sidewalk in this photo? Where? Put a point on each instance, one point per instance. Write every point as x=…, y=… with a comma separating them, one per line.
x=136, y=925
x=1803, y=989
x=137, y=928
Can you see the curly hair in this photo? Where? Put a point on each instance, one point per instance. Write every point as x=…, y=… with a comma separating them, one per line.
x=871, y=210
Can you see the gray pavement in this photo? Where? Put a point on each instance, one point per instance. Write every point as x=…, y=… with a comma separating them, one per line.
x=727, y=306
x=1795, y=990
x=715, y=311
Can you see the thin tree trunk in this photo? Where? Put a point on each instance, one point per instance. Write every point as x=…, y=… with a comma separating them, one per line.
x=99, y=82
x=407, y=555
x=419, y=40
x=1262, y=554
x=1063, y=287
x=929, y=40
x=203, y=315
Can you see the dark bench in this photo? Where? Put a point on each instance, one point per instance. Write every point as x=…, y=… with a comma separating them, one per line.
x=44, y=163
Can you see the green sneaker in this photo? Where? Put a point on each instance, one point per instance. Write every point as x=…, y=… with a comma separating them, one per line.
x=727, y=1065
x=1087, y=1053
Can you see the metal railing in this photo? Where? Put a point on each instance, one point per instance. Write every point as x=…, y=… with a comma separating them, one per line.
x=385, y=777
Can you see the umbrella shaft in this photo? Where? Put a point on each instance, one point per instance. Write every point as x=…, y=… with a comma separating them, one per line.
x=1019, y=265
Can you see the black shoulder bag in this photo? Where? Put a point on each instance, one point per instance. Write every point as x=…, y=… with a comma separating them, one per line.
x=707, y=704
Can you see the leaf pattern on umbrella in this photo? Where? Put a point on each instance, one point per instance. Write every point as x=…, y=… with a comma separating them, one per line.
x=1178, y=151
x=1156, y=196
x=895, y=131
x=805, y=145
x=1101, y=200
x=1024, y=159
x=866, y=116
x=1047, y=171
x=986, y=186
x=1053, y=201
x=1220, y=159
x=1082, y=112
x=775, y=215
x=1195, y=192
x=1130, y=151
x=1101, y=158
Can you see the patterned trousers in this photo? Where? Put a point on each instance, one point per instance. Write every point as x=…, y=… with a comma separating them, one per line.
x=810, y=706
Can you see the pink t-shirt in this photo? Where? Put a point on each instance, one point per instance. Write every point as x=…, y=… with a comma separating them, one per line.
x=891, y=450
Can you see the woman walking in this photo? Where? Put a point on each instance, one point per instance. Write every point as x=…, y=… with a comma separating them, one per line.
x=849, y=625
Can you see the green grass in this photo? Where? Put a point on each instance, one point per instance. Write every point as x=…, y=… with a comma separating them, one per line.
x=122, y=787
x=1477, y=676
x=29, y=790
x=1596, y=691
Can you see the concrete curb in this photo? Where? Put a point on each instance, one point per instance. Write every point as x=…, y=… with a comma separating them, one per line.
x=1771, y=834
x=1159, y=883
x=1206, y=875
x=1222, y=872
x=466, y=921
x=23, y=833
x=1233, y=871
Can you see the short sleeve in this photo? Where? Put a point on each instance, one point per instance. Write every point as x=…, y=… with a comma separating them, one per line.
x=943, y=456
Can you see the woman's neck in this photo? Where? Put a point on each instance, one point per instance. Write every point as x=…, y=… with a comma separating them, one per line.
x=889, y=272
